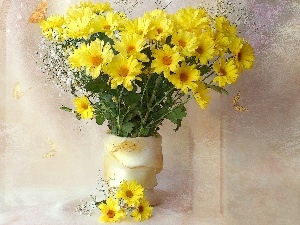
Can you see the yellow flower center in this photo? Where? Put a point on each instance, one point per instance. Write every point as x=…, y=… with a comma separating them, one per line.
x=182, y=43
x=199, y=50
x=123, y=71
x=141, y=209
x=131, y=49
x=96, y=60
x=129, y=194
x=107, y=27
x=223, y=72
x=110, y=213
x=239, y=56
x=84, y=106
x=167, y=60
x=159, y=30
x=183, y=77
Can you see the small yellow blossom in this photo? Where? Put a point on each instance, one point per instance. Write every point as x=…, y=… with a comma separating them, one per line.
x=83, y=107
x=205, y=50
x=132, y=44
x=243, y=54
x=130, y=192
x=227, y=72
x=92, y=57
x=185, y=78
x=200, y=94
x=111, y=211
x=142, y=211
x=123, y=70
x=52, y=27
x=186, y=42
x=166, y=60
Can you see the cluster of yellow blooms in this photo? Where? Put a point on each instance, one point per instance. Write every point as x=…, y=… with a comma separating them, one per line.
x=179, y=45
x=129, y=197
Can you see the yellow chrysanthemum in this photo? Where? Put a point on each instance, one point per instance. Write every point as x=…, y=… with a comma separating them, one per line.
x=185, y=78
x=191, y=19
x=96, y=7
x=205, y=50
x=200, y=94
x=92, y=57
x=79, y=23
x=243, y=54
x=123, y=70
x=111, y=211
x=142, y=211
x=166, y=60
x=186, y=42
x=141, y=26
x=227, y=72
x=102, y=7
x=161, y=25
x=107, y=23
x=83, y=107
x=223, y=26
x=130, y=192
x=52, y=27
x=221, y=43
x=132, y=44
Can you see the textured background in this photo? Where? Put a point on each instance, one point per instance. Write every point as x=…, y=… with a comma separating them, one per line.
x=221, y=167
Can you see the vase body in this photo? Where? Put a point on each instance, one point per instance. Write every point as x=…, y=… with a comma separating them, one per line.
x=139, y=159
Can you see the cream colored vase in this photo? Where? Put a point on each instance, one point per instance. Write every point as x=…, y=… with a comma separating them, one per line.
x=137, y=159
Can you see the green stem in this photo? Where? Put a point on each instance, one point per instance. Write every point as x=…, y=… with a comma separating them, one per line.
x=164, y=116
x=119, y=110
x=143, y=120
x=158, y=102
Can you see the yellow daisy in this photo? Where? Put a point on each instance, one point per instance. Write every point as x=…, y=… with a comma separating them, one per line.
x=123, y=70
x=221, y=43
x=161, y=25
x=142, y=26
x=79, y=23
x=130, y=192
x=227, y=72
x=243, y=54
x=142, y=211
x=191, y=19
x=52, y=27
x=166, y=60
x=92, y=57
x=185, y=41
x=132, y=44
x=200, y=94
x=205, y=50
x=223, y=26
x=83, y=107
x=111, y=211
x=102, y=7
x=185, y=78
x=108, y=23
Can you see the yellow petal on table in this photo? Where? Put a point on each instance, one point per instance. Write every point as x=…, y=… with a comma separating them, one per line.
x=17, y=94
x=236, y=105
x=40, y=13
x=52, y=152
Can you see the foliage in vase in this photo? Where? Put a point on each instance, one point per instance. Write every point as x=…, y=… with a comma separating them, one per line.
x=134, y=73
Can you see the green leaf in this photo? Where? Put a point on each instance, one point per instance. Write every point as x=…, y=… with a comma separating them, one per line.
x=99, y=119
x=203, y=69
x=217, y=89
x=97, y=85
x=66, y=108
x=177, y=115
x=126, y=128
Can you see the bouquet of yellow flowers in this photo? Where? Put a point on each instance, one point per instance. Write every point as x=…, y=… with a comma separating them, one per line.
x=134, y=73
